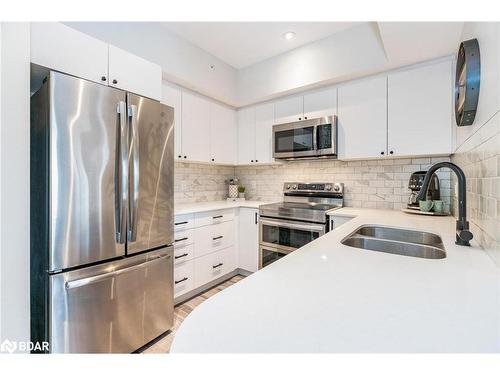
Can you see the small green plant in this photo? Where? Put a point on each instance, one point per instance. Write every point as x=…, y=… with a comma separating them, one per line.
x=241, y=189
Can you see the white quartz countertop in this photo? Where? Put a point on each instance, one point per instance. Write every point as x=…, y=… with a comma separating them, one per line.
x=188, y=208
x=328, y=297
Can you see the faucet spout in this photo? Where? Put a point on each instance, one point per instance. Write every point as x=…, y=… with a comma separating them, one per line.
x=463, y=235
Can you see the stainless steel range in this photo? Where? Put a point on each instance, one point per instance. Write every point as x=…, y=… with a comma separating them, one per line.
x=299, y=219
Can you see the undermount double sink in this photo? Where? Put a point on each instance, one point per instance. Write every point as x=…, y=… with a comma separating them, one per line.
x=397, y=241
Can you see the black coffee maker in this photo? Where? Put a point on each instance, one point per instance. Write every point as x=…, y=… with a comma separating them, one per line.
x=415, y=184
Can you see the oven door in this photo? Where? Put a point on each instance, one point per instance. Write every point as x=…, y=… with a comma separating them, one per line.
x=288, y=235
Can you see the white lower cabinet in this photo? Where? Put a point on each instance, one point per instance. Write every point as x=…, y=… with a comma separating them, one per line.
x=214, y=265
x=204, y=248
x=214, y=237
x=248, y=239
x=184, y=280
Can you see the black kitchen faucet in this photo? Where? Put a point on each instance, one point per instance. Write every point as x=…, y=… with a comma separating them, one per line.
x=463, y=235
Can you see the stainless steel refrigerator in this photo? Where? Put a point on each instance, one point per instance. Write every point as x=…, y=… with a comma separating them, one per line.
x=101, y=217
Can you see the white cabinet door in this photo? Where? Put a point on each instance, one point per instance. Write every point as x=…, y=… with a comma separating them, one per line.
x=320, y=103
x=289, y=109
x=133, y=73
x=59, y=47
x=248, y=239
x=223, y=134
x=214, y=265
x=172, y=96
x=362, y=118
x=264, y=120
x=246, y=135
x=195, y=127
x=420, y=111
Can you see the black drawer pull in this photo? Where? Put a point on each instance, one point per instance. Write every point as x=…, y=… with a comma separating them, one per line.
x=217, y=217
x=181, y=256
x=181, y=280
x=217, y=265
x=217, y=238
x=180, y=223
x=181, y=239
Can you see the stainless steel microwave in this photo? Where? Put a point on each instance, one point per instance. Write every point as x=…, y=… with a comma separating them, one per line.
x=315, y=138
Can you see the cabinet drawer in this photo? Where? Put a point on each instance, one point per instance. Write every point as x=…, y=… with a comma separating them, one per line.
x=184, y=280
x=183, y=222
x=213, y=217
x=183, y=238
x=212, y=266
x=211, y=238
x=183, y=254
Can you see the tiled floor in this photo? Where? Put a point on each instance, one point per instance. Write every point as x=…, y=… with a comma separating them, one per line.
x=182, y=311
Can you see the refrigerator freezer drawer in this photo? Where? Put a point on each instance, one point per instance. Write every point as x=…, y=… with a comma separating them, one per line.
x=115, y=307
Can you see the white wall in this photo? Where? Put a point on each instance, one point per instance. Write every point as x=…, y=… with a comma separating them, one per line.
x=488, y=35
x=351, y=53
x=182, y=62
x=14, y=181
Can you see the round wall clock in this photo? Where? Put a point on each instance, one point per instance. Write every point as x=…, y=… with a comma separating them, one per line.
x=467, y=81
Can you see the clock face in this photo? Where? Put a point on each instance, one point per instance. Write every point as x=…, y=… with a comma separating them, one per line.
x=467, y=80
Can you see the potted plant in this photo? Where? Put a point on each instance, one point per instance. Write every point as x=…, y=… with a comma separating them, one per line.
x=241, y=192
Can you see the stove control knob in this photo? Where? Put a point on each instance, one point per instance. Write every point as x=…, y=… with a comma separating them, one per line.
x=336, y=188
x=328, y=187
x=288, y=187
x=294, y=187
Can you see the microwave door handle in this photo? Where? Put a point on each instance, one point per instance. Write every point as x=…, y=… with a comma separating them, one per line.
x=134, y=173
x=121, y=171
x=315, y=138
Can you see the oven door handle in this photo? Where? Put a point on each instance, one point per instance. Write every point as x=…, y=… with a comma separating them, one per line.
x=307, y=227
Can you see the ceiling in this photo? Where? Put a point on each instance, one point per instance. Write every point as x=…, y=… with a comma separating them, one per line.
x=241, y=44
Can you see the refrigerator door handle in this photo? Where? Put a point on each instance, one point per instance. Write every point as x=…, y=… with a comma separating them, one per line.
x=134, y=173
x=94, y=279
x=121, y=186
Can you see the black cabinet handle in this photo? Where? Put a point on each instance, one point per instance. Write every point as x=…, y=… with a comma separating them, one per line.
x=181, y=280
x=382, y=153
x=213, y=159
x=181, y=222
x=256, y=222
x=251, y=161
x=180, y=156
x=115, y=81
x=217, y=265
x=217, y=238
x=181, y=239
x=305, y=118
x=185, y=157
x=181, y=256
x=256, y=161
x=391, y=152
x=103, y=78
x=217, y=217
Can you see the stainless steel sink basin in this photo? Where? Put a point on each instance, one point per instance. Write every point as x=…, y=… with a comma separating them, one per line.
x=403, y=235
x=397, y=241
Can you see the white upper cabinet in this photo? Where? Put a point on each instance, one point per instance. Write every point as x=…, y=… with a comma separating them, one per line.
x=246, y=135
x=195, y=127
x=223, y=134
x=133, y=73
x=264, y=120
x=289, y=109
x=59, y=47
x=320, y=103
x=420, y=111
x=362, y=119
x=172, y=96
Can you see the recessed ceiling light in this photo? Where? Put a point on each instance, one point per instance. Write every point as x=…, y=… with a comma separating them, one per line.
x=289, y=35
